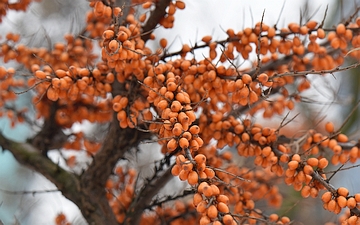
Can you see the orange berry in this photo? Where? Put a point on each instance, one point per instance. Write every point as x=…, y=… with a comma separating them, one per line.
x=197, y=199
x=285, y=220
x=266, y=151
x=311, y=24
x=326, y=197
x=185, y=65
x=122, y=36
x=40, y=74
x=329, y=126
x=331, y=205
x=194, y=129
x=52, y=94
x=172, y=145
x=246, y=78
x=352, y=220
x=312, y=162
x=342, y=138
x=201, y=186
x=163, y=104
x=114, y=45
x=163, y=42
x=223, y=199
x=206, y=39
x=207, y=191
x=222, y=207
x=305, y=191
x=177, y=129
x=321, y=33
x=308, y=170
x=194, y=145
x=183, y=175
x=108, y=34
x=193, y=178
x=180, y=159
x=180, y=5
x=210, y=173
x=201, y=207
x=187, y=166
x=263, y=78
x=204, y=220
x=340, y=29
x=228, y=219
x=341, y=200
x=357, y=197
x=200, y=158
x=175, y=106
x=323, y=163
x=217, y=222
x=183, y=143
x=215, y=190
x=296, y=157
x=294, y=27
x=212, y=212
x=175, y=170
x=293, y=165
x=343, y=191
x=183, y=118
x=351, y=203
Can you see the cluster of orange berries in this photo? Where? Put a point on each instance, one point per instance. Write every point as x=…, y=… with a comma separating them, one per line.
x=243, y=194
x=98, y=19
x=212, y=205
x=192, y=171
x=168, y=20
x=130, y=115
x=8, y=85
x=299, y=173
x=174, y=109
x=77, y=89
x=124, y=51
x=347, y=218
x=269, y=40
x=75, y=52
x=120, y=191
x=335, y=201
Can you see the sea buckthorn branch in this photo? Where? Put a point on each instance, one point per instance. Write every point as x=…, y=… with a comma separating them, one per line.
x=66, y=182
x=156, y=15
x=144, y=197
x=151, y=92
x=322, y=72
x=34, y=192
x=169, y=198
x=51, y=135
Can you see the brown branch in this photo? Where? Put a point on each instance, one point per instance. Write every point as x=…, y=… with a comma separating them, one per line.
x=155, y=17
x=303, y=73
x=117, y=142
x=145, y=196
x=31, y=157
x=93, y=210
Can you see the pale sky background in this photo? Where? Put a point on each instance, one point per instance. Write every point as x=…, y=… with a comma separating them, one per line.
x=200, y=18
